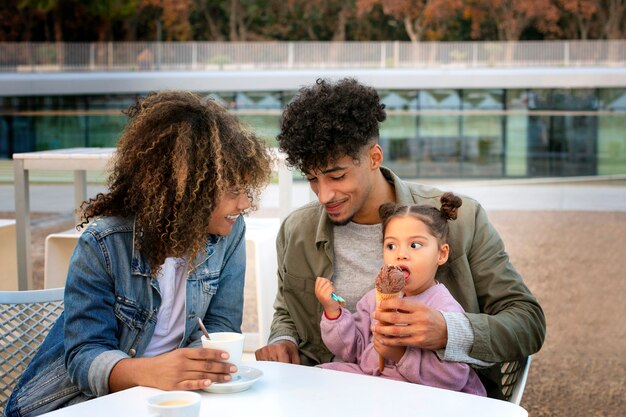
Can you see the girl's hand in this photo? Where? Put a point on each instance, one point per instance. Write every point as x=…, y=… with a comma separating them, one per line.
x=323, y=290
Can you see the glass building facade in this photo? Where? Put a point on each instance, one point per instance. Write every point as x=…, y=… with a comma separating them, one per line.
x=492, y=133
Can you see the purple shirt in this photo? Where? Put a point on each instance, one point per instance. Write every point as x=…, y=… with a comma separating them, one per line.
x=349, y=338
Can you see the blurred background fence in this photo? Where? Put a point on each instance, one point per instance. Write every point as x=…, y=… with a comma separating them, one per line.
x=182, y=56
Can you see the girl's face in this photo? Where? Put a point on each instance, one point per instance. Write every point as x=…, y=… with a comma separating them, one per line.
x=229, y=207
x=409, y=244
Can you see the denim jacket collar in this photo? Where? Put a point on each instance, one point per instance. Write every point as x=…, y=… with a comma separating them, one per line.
x=141, y=267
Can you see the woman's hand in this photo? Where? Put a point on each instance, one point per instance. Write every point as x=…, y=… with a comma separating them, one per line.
x=323, y=290
x=180, y=369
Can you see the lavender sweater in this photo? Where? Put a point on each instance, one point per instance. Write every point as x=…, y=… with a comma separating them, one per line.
x=349, y=338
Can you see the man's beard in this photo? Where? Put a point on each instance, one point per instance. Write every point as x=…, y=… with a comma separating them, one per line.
x=340, y=222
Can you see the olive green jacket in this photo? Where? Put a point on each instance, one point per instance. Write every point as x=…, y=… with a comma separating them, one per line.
x=507, y=321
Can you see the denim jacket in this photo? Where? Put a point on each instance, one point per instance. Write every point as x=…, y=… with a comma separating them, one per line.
x=111, y=304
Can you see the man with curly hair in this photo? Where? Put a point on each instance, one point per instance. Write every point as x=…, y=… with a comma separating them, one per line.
x=330, y=132
x=164, y=247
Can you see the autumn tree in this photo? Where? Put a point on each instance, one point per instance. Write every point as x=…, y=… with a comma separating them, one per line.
x=207, y=19
x=108, y=12
x=316, y=20
x=44, y=7
x=322, y=19
x=512, y=17
x=583, y=14
x=174, y=15
x=612, y=18
x=18, y=23
x=419, y=17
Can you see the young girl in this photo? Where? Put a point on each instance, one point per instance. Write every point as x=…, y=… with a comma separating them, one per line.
x=164, y=246
x=414, y=239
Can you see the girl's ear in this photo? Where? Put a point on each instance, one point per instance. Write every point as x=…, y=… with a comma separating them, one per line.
x=444, y=251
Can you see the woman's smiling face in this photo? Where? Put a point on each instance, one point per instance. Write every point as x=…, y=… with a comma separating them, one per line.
x=230, y=206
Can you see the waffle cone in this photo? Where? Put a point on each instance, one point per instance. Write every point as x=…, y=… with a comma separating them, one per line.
x=380, y=296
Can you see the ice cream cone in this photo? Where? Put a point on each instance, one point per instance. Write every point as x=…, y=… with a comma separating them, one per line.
x=389, y=284
x=380, y=296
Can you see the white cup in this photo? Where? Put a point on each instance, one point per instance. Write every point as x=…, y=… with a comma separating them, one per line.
x=230, y=342
x=175, y=404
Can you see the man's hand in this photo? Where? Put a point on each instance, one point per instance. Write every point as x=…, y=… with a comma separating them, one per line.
x=402, y=322
x=282, y=351
x=392, y=353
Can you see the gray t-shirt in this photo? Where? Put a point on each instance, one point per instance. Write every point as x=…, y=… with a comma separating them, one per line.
x=358, y=258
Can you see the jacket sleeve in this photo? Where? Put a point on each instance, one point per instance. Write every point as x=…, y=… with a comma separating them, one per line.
x=90, y=335
x=511, y=323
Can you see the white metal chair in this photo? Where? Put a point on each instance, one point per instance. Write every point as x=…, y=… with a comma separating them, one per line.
x=514, y=377
x=25, y=319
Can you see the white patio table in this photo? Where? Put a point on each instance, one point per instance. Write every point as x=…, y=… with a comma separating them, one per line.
x=294, y=390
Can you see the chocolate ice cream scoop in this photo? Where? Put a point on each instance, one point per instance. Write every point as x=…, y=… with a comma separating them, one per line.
x=390, y=279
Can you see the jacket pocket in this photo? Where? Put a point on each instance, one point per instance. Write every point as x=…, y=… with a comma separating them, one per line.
x=305, y=310
x=209, y=286
x=131, y=314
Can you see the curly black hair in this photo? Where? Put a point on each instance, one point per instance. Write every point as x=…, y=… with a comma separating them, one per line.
x=327, y=121
x=176, y=158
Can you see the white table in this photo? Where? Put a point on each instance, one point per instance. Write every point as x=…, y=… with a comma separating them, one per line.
x=81, y=160
x=293, y=390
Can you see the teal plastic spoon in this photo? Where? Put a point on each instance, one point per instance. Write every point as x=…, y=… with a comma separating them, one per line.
x=337, y=298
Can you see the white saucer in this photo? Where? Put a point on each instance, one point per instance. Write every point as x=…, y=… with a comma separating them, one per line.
x=241, y=381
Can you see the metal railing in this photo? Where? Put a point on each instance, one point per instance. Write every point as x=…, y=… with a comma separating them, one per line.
x=191, y=56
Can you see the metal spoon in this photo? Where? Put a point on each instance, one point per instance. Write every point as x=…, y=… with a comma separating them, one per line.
x=206, y=334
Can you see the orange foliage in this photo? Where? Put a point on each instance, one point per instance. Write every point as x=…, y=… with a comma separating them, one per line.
x=175, y=17
x=418, y=16
x=511, y=17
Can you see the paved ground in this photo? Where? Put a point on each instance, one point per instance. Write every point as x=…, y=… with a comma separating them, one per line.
x=570, y=251
x=574, y=263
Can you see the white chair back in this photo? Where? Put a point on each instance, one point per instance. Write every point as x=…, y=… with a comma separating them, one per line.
x=26, y=317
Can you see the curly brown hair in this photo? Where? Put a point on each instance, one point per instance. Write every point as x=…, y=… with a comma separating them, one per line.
x=435, y=219
x=177, y=156
x=327, y=121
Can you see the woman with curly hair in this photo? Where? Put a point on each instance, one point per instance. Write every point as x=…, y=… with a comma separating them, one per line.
x=162, y=247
